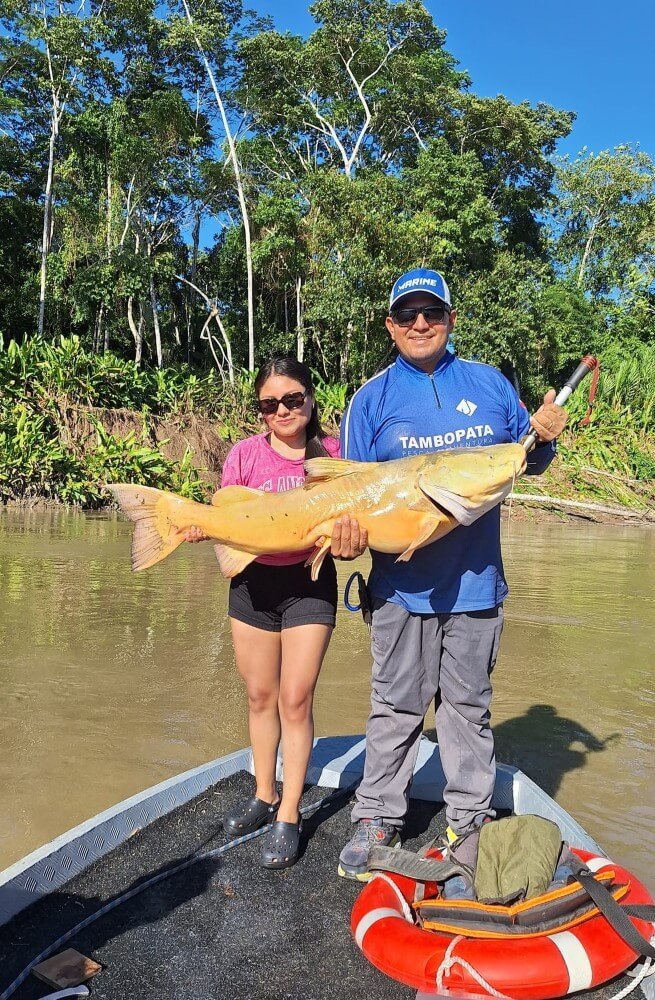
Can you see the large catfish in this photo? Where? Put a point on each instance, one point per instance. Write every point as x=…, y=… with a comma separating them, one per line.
x=404, y=505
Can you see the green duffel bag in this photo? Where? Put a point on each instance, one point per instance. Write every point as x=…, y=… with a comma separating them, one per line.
x=517, y=858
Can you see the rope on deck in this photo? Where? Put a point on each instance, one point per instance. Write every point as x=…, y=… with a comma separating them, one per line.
x=306, y=811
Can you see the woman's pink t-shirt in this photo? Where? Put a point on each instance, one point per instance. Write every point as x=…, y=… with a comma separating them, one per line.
x=254, y=463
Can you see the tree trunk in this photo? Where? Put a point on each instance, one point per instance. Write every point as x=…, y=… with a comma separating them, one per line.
x=138, y=356
x=105, y=342
x=345, y=354
x=176, y=326
x=578, y=505
x=109, y=211
x=585, y=255
x=47, y=218
x=101, y=336
x=194, y=269
x=240, y=192
x=130, y=319
x=300, y=333
x=137, y=331
x=367, y=326
x=155, y=319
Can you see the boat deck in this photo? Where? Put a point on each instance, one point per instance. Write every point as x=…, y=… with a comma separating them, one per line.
x=225, y=928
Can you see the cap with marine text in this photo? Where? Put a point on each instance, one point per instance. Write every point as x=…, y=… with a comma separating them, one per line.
x=421, y=279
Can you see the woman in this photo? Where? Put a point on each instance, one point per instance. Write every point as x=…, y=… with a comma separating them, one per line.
x=281, y=621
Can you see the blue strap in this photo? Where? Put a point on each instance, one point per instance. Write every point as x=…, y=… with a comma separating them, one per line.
x=346, y=593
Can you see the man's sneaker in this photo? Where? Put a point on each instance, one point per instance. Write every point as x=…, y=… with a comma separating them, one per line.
x=353, y=860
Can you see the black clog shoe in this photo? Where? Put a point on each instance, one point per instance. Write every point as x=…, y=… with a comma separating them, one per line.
x=281, y=846
x=249, y=816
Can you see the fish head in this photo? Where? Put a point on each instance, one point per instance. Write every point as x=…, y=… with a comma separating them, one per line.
x=467, y=482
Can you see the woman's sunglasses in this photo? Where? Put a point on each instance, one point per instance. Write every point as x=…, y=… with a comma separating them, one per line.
x=290, y=400
x=406, y=317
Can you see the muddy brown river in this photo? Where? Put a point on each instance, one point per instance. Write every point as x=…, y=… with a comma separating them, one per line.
x=111, y=682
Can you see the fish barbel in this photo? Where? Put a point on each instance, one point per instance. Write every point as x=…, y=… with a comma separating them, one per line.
x=404, y=504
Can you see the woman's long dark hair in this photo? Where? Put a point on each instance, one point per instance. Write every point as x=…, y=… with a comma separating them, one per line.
x=287, y=365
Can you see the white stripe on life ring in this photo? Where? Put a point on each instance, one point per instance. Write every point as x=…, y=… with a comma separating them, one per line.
x=576, y=960
x=371, y=918
x=594, y=864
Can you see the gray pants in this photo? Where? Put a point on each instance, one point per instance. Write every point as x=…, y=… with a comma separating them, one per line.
x=415, y=659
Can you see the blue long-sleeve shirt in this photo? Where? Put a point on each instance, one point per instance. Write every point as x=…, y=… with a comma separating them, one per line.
x=403, y=411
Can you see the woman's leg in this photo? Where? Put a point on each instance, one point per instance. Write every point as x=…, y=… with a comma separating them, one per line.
x=303, y=649
x=258, y=656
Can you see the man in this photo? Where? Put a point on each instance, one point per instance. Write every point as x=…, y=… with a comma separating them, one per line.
x=437, y=619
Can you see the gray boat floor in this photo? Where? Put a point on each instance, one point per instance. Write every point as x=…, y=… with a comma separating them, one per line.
x=225, y=928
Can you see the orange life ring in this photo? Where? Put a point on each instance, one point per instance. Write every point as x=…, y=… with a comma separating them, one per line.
x=535, y=968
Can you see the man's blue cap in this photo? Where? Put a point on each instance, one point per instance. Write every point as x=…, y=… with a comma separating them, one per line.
x=421, y=279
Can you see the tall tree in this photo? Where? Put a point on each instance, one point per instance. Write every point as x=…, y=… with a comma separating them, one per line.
x=604, y=218
x=209, y=29
x=368, y=82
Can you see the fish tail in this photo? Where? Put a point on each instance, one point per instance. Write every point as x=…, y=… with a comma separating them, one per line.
x=156, y=534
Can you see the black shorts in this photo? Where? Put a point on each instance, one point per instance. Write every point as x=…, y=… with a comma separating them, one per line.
x=276, y=597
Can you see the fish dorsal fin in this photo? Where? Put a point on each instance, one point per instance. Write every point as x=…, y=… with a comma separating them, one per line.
x=233, y=494
x=232, y=561
x=320, y=470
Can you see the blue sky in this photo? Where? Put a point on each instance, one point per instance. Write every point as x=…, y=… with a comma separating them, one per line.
x=592, y=58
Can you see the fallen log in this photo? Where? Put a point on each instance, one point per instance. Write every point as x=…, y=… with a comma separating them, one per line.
x=575, y=505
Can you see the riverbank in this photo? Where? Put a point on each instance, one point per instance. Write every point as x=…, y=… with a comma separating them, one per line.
x=193, y=447
x=71, y=421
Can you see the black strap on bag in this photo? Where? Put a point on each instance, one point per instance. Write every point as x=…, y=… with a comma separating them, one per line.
x=416, y=866
x=618, y=916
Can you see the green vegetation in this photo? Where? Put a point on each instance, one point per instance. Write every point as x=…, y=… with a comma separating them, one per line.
x=38, y=457
x=184, y=189
x=47, y=388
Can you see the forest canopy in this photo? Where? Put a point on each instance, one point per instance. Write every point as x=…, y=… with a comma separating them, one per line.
x=184, y=184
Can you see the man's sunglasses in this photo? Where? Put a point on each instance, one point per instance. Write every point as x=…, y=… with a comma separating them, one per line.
x=290, y=400
x=406, y=317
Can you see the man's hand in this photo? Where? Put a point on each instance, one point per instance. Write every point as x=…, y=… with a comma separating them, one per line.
x=194, y=534
x=549, y=420
x=349, y=540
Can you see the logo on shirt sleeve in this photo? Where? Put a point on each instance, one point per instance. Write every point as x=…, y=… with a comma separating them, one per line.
x=467, y=407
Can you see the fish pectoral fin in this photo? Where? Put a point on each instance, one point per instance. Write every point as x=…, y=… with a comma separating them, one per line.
x=465, y=510
x=232, y=561
x=315, y=560
x=427, y=531
x=319, y=470
x=233, y=494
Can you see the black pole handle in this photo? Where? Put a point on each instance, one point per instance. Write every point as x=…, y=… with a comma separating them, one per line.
x=586, y=366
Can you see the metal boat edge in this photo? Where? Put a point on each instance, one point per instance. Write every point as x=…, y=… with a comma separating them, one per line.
x=336, y=761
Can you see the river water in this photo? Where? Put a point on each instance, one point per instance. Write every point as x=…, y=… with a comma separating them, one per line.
x=111, y=682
